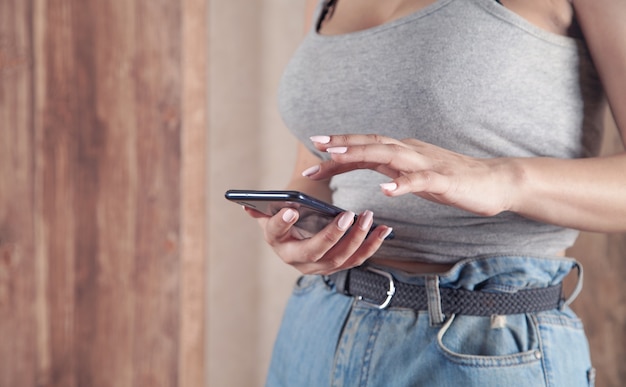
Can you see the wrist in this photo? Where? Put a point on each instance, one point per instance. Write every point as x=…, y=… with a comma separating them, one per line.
x=516, y=180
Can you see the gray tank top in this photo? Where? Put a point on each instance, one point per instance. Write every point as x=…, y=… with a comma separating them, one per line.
x=466, y=75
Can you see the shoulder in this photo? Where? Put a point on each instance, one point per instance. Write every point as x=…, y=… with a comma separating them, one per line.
x=604, y=30
x=600, y=14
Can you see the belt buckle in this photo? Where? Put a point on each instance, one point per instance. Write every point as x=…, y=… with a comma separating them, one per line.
x=390, y=292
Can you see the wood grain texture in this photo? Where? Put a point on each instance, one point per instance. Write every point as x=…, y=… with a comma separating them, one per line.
x=194, y=176
x=94, y=287
x=17, y=241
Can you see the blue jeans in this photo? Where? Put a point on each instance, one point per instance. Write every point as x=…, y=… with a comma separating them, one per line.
x=330, y=339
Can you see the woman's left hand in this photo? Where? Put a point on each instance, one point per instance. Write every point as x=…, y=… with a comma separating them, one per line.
x=482, y=186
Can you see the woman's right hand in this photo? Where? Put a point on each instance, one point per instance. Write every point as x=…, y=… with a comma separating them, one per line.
x=336, y=247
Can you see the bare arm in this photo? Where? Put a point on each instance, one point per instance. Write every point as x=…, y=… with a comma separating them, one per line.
x=604, y=27
x=587, y=194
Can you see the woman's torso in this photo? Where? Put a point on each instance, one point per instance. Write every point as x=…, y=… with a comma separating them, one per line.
x=467, y=75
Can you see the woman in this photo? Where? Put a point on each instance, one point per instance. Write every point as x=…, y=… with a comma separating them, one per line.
x=472, y=128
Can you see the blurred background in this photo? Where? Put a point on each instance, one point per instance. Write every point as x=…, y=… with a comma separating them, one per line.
x=122, y=123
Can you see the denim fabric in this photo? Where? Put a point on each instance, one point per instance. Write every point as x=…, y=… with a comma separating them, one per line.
x=329, y=339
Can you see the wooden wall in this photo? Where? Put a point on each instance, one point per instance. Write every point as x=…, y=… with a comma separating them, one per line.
x=102, y=165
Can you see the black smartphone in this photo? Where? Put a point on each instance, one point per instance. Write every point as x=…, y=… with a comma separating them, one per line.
x=315, y=214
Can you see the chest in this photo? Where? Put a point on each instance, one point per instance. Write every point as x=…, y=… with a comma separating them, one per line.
x=346, y=16
x=460, y=70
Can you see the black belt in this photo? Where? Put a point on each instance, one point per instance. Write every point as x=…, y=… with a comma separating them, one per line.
x=380, y=289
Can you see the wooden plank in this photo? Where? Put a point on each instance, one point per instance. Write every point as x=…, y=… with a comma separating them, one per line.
x=157, y=259
x=55, y=171
x=109, y=195
x=94, y=193
x=106, y=187
x=191, y=371
x=17, y=265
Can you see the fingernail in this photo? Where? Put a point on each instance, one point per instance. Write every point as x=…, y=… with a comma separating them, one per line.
x=337, y=149
x=289, y=215
x=389, y=186
x=346, y=220
x=384, y=234
x=311, y=171
x=320, y=139
x=365, y=221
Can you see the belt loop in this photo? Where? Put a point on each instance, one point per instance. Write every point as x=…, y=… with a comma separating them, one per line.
x=339, y=279
x=434, y=300
x=577, y=289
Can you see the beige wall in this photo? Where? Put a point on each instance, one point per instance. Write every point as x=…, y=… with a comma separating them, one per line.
x=249, y=147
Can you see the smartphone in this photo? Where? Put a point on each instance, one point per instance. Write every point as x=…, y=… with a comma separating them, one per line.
x=315, y=214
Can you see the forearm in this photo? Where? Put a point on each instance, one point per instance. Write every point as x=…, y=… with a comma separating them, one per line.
x=584, y=194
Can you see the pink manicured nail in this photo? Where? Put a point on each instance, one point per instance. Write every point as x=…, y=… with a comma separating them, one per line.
x=337, y=149
x=365, y=221
x=346, y=220
x=311, y=171
x=389, y=186
x=320, y=139
x=386, y=233
x=289, y=215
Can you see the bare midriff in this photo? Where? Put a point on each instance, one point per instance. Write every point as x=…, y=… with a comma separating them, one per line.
x=419, y=267
x=412, y=267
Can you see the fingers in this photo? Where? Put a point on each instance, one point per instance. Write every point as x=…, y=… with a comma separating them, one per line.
x=365, y=148
x=422, y=181
x=412, y=165
x=342, y=244
x=362, y=151
x=352, y=250
x=254, y=213
x=384, y=156
x=278, y=228
x=325, y=142
x=315, y=249
x=330, y=168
